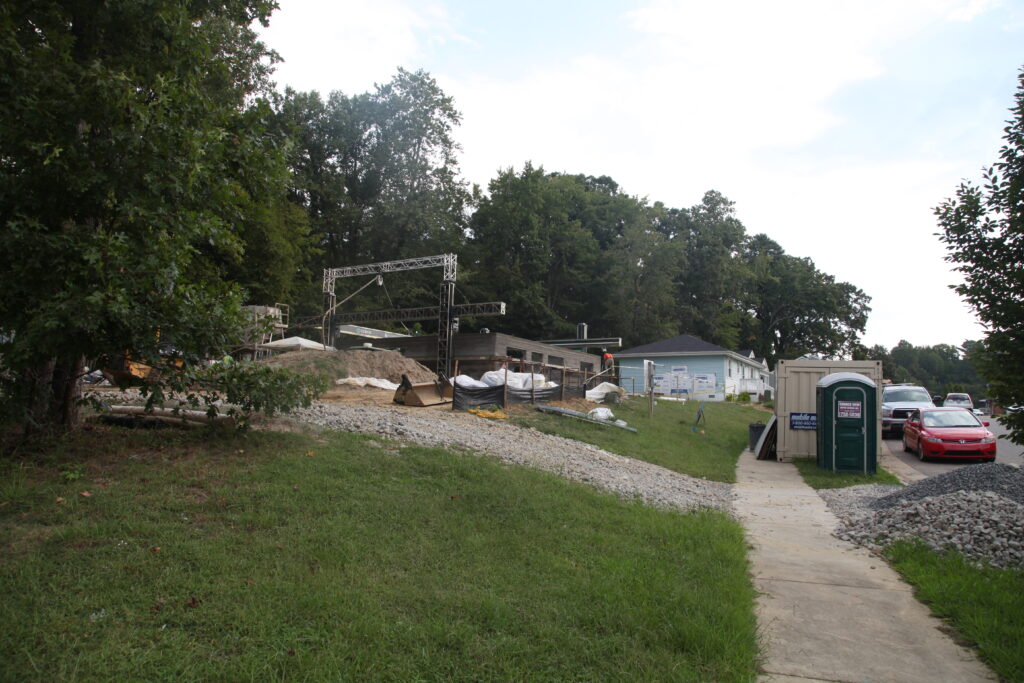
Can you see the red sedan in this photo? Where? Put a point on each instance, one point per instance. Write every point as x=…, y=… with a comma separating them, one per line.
x=948, y=433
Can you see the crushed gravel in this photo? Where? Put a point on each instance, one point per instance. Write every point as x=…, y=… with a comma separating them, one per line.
x=567, y=458
x=977, y=510
x=1006, y=480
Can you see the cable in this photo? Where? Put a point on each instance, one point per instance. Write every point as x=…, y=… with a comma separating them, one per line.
x=388, y=295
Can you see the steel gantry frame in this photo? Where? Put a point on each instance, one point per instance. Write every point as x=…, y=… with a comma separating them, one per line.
x=446, y=311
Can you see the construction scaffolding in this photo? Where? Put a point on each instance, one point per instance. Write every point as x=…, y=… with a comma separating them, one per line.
x=446, y=312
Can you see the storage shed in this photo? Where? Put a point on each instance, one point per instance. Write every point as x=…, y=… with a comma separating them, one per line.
x=796, y=402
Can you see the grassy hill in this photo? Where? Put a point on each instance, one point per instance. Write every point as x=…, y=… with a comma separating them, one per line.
x=208, y=555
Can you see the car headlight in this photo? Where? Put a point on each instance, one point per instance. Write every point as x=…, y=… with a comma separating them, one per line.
x=932, y=439
x=886, y=412
x=989, y=439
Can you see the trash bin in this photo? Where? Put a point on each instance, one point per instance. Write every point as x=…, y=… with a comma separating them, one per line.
x=847, y=423
x=756, y=430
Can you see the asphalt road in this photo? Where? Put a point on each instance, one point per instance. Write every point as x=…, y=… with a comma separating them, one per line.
x=1006, y=452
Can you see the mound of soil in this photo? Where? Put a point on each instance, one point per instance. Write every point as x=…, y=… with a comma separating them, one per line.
x=389, y=365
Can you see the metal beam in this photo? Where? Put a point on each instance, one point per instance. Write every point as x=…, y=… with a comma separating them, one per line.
x=447, y=261
x=424, y=313
x=592, y=341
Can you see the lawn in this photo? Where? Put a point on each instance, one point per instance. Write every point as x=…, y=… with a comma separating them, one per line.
x=206, y=555
x=671, y=438
x=985, y=605
x=818, y=478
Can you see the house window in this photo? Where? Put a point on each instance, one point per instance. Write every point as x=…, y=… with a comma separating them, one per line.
x=555, y=360
x=589, y=367
x=537, y=357
x=518, y=354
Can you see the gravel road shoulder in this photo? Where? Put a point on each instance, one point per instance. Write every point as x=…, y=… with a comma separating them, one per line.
x=574, y=460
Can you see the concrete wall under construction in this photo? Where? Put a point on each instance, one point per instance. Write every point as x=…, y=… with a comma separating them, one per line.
x=478, y=353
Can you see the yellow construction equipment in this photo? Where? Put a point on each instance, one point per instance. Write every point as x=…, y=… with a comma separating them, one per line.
x=422, y=393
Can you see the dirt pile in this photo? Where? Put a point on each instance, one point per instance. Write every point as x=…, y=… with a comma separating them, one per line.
x=389, y=365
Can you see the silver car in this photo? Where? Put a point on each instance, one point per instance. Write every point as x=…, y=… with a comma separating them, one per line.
x=898, y=402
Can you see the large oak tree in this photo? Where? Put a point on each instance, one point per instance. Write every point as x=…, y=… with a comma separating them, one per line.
x=134, y=148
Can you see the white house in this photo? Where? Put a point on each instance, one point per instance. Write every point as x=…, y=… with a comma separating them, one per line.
x=686, y=366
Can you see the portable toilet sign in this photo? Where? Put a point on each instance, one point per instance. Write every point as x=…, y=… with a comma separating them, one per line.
x=847, y=423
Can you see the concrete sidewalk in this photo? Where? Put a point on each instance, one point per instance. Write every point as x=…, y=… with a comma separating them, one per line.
x=829, y=610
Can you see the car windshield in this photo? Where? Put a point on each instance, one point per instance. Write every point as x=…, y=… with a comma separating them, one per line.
x=950, y=418
x=907, y=395
x=958, y=402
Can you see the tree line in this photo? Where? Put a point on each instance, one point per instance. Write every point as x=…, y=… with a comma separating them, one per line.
x=941, y=369
x=152, y=180
x=375, y=178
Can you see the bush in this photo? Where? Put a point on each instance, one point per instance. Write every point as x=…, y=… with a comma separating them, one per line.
x=233, y=388
x=744, y=397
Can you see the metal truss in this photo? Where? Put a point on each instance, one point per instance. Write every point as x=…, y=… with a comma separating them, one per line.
x=424, y=313
x=447, y=261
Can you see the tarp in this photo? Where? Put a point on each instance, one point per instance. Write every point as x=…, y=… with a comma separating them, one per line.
x=598, y=393
x=295, y=344
x=367, y=382
x=470, y=397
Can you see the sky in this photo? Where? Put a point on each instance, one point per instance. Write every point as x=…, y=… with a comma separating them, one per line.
x=835, y=126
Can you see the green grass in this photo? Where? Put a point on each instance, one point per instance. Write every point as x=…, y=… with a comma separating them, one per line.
x=272, y=556
x=823, y=479
x=668, y=438
x=986, y=606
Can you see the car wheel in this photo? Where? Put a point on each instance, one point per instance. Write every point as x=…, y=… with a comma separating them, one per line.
x=920, y=451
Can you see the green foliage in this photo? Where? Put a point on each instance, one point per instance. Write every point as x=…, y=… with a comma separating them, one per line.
x=795, y=308
x=279, y=556
x=377, y=176
x=743, y=397
x=941, y=369
x=983, y=230
x=985, y=605
x=135, y=145
x=245, y=388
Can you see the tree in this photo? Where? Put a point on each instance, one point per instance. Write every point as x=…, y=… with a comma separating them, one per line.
x=796, y=308
x=983, y=230
x=134, y=147
x=377, y=174
x=529, y=250
x=709, y=287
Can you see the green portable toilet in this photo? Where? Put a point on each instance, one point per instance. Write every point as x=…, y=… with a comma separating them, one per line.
x=847, y=423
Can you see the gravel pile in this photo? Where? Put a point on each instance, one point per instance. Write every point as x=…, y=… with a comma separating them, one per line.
x=567, y=458
x=1005, y=480
x=976, y=510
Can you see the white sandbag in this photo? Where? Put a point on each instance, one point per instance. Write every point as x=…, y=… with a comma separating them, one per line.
x=598, y=393
x=375, y=382
x=470, y=383
x=494, y=378
x=526, y=380
x=601, y=413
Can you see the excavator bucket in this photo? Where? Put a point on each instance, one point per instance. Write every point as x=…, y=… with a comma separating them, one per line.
x=421, y=394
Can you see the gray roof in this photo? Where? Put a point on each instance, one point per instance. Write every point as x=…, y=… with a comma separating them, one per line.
x=684, y=343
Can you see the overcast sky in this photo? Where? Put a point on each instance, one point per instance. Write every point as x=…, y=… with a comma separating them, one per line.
x=835, y=127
